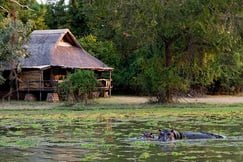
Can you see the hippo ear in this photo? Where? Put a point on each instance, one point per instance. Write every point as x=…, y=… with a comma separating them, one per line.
x=159, y=130
x=172, y=130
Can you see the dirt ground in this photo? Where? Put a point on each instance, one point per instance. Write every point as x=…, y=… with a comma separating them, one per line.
x=124, y=100
x=215, y=99
x=141, y=100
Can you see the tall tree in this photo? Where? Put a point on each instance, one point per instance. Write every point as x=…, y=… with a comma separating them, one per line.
x=13, y=35
x=62, y=15
x=103, y=50
x=188, y=35
x=26, y=10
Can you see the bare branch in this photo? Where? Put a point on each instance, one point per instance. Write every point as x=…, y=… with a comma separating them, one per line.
x=4, y=8
x=23, y=6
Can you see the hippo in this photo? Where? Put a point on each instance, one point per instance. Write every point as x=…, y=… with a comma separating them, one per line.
x=171, y=135
x=148, y=135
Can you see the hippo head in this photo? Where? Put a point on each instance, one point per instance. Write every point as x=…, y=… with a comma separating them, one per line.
x=148, y=135
x=166, y=135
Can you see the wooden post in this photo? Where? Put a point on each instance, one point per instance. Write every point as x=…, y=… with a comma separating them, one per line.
x=110, y=85
x=17, y=88
x=40, y=87
x=28, y=84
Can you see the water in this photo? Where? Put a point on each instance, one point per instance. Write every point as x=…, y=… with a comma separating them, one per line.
x=46, y=140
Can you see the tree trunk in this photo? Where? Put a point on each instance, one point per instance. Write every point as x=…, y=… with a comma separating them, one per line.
x=12, y=80
x=168, y=55
x=168, y=63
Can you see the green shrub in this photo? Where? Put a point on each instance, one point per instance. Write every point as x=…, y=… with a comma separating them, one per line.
x=79, y=85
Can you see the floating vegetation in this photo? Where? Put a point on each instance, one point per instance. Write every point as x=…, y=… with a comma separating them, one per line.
x=111, y=134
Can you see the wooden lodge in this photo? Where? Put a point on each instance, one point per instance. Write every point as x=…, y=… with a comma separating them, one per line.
x=54, y=54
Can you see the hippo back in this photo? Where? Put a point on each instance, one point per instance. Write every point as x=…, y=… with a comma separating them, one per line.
x=200, y=135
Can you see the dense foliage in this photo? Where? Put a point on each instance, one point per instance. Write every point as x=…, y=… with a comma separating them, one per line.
x=13, y=35
x=27, y=11
x=169, y=46
x=79, y=85
x=158, y=47
x=71, y=16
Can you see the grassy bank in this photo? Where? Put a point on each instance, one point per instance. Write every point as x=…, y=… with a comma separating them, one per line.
x=44, y=110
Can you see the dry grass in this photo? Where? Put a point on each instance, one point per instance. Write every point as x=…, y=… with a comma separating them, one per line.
x=23, y=105
x=122, y=100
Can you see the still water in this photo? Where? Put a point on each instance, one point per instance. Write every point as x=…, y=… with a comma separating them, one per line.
x=44, y=140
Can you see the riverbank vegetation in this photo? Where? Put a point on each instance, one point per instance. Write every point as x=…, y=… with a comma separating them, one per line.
x=96, y=109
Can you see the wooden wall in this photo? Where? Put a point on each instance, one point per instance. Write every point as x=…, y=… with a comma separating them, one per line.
x=30, y=80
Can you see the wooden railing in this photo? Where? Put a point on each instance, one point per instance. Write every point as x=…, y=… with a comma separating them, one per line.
x=104, y=84
x=52, y=85
x=40, y=85
x=104, y=87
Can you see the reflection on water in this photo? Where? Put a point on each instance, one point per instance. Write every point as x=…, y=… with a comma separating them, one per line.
x=111, y=140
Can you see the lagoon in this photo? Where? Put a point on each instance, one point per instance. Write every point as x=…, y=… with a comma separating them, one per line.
x=98, y=133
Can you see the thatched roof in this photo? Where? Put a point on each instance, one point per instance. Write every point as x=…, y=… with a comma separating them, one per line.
x=59, y=48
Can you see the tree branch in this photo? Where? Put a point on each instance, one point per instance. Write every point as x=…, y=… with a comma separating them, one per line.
x=171, y=39
x=4, y=8
x=23, y=6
